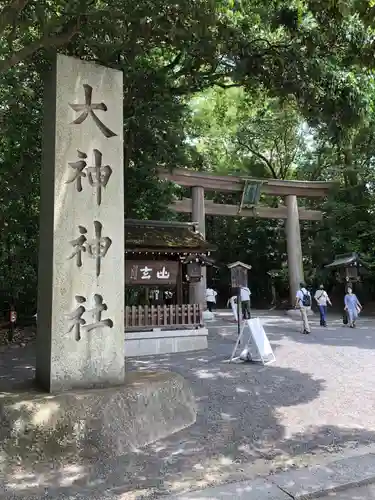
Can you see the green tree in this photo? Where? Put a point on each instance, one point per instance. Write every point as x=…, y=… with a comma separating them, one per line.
x=161, y=48
x=253, y=134
x=287, y=62
x=347, y=226
x=271, y=132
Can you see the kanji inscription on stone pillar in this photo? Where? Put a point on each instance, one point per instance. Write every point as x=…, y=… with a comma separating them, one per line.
x=80, y=341
x=88, y=108
x=97, y=175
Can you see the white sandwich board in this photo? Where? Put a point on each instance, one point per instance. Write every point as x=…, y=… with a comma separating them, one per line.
x=254, y=343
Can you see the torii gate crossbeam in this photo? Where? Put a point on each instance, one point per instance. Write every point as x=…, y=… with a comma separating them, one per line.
x=289, y=190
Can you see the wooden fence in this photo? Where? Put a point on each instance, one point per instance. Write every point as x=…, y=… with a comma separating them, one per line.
x=173, y=316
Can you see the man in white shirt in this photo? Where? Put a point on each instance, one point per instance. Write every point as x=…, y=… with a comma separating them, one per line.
x=210, y=298
x=245, y=302
x=303, y=302
x=321, y=297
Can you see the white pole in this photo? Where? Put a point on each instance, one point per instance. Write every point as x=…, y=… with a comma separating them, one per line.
x=233, y=304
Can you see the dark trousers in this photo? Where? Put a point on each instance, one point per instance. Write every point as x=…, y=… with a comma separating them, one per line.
x=323, y=315
x=210, y=305
x=245, y=305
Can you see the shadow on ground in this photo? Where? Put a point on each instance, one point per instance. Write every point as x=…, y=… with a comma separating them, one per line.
x=17, y=367
x=336, y=334
x=238, y=427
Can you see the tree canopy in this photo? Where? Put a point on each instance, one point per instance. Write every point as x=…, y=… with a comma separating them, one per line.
x=269, y=88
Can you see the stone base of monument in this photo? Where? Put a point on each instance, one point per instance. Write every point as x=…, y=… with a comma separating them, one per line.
x=160, y=341
x=295, y=313
x=96, y=423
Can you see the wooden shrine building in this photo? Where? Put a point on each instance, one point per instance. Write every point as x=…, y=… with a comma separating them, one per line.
x=163, y=262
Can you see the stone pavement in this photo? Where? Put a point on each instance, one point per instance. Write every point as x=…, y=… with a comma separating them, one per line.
x=341, y=477
x=350, y=478
x=363, y=493
x=313, y=404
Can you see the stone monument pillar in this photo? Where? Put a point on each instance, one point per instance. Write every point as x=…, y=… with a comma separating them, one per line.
x=294, y=248
x=80, y=340
x=197, y=291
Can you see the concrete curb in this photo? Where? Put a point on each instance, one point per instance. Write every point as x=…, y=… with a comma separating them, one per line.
x=302, y=484
x=299, y=484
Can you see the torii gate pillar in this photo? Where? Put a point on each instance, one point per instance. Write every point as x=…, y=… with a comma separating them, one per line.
x=294, y=248
x=197, y=291
x=199, y=181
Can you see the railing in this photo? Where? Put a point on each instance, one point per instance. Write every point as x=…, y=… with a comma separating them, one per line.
x=167, y=317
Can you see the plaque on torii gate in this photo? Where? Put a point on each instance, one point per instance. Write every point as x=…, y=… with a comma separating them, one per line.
x=250, y=194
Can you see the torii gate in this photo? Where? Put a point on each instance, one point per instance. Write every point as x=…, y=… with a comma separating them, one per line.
x=289, y=190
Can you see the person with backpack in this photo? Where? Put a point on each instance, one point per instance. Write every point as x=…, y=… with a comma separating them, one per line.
x=322, y=299
x=303, y=302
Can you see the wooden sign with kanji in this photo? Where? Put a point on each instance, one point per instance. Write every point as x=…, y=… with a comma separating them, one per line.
x=238, y=272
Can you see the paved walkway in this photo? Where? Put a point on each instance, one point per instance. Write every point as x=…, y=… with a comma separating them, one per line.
x=318, y=396
x=337, y=479
x=363, y=493
x=316, y=400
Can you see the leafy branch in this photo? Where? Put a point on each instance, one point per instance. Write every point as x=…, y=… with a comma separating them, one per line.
x=259, y=155
x=56, y=40
x=10, y=13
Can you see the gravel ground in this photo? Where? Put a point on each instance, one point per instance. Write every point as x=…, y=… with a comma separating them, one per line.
x=316, y=399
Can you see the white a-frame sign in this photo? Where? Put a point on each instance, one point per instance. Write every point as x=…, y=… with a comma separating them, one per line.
x=254, y=343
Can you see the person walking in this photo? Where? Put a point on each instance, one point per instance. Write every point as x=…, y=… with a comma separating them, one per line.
x=245, y=302
x=322, y=299
x=352, y=306
x=210, y=298
x=303, y=302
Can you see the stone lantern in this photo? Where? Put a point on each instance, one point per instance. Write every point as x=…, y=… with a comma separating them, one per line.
x=194, y=264
x=348, y=268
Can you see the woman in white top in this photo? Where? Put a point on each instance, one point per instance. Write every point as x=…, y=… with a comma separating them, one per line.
x=210, y=298
x=322, y=299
